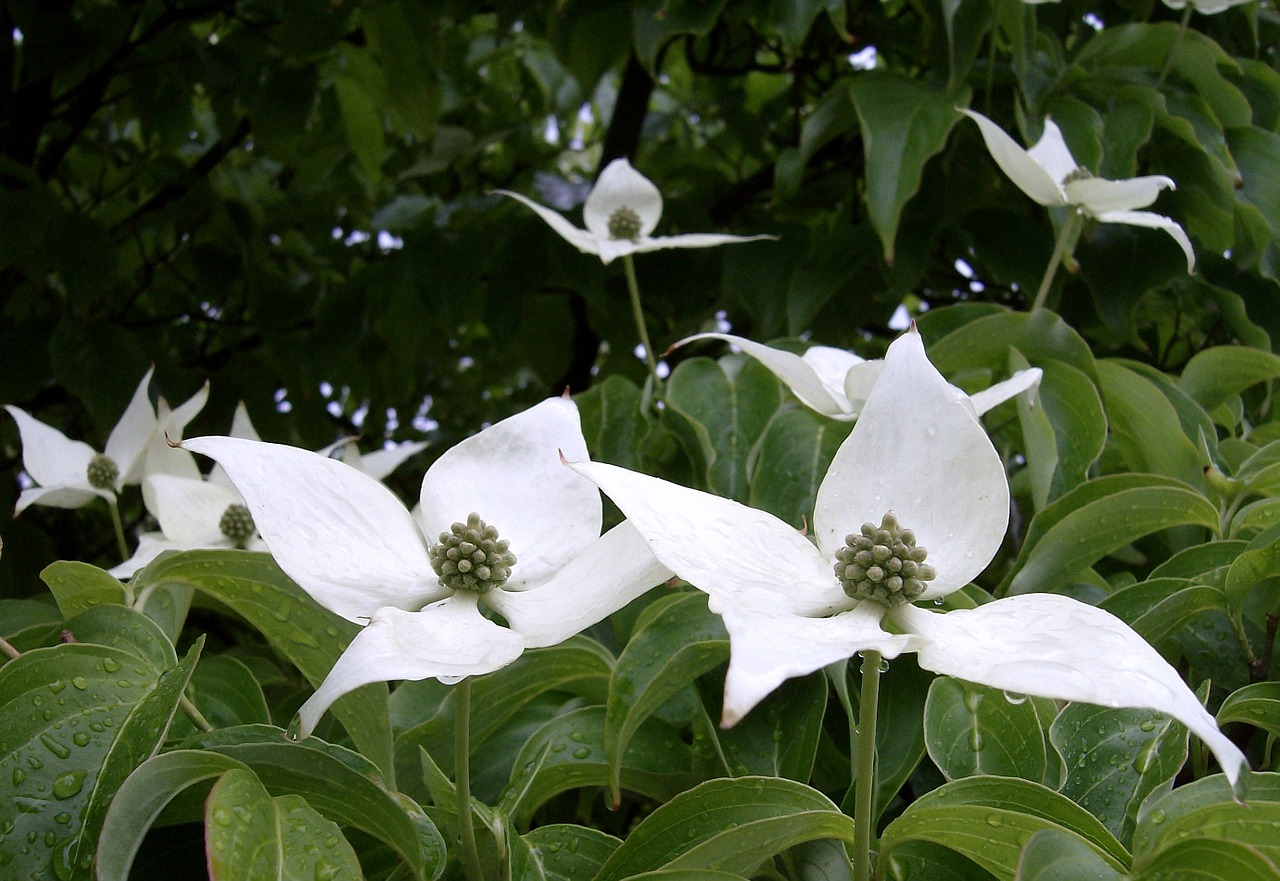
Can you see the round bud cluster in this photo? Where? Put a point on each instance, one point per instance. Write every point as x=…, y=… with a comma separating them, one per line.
x=624, y=224
x=883, y=564
x=237, y=524
x=472, y=557
x=103, y=472
x=1080, y=173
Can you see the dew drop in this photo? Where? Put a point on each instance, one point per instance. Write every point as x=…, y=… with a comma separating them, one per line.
x=294, y=731
x=52, y=745
x=80, y=682
x=18, y=776
x=68, y=785
x=221, y=817
x=57, y=685
x=80, y=738
x=111, y=665
x=995, y=821
x=1015, y=698
x=581, y=752
x=1148, y=725
x=578, y=737
x=976, y=741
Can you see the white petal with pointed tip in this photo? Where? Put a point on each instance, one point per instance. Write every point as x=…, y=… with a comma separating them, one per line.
x=608, y=574
x=1052, y=154
x=54, y=461
x=128, y=441
x=1097, y=195
x=1019, y=165
x=510, y=474
x=190, y=511
x=343, y=536
x=769, y=649
x=917, y=450
x=812, y=379
x=448, y=640
x=1056, y=647
x=579, y=238
x=57, y=497
x=379, y=463
x=997, y=394
x=621, y=186
x=1155, y=221
x=742, y=557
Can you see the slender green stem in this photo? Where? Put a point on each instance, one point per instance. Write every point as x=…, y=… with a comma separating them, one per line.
x=865, y=795
x=637, y=314
x=119, y=527
x=197, y=718
x=1173, y=49
x=7, y=649
x=462, y=778
x=1065, y=235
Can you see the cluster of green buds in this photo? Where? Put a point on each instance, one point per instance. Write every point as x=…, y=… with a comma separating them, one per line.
x=470, y=556
x=624, y=225
x=237, y=524
x=883, y=563
x=103, y=472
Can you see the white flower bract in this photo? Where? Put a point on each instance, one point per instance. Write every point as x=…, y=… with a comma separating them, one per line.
x=917, y=450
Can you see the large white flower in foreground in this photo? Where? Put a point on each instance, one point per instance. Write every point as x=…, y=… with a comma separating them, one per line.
x=836, y=382
x=914, y=506
x=70, y=473
x=502, y=524
x=620, y=213
x=1049, y=175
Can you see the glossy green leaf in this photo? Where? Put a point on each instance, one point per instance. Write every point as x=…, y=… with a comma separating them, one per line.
x=793, y=457
x=1207, y=808
x=719, y=410
x=1258, y=561
x=1257, y=704
x=675, y=642
x=568, y=753
x=903, y=124
x=1068, y=401
x=143, y=796
x=1100, y=517
x=972, y=729
x=77, y=719
x=79, y=586
x=569, y=852
x=310, y=636
x=342, y=785
x=1213, y=375
x=984, y=342
x=1158, y=609
x=612, y=422
x=727, y=824
x=779, y=737
x=1145, y=427
x=1053, y=855
x=1115, y=759
x=226, y=693
x=655, y=23
x=252, y=835
x=1201, y=859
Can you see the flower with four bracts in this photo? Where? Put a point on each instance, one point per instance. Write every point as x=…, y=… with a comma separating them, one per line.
x=914, y=506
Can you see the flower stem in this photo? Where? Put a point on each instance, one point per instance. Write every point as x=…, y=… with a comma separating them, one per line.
x=1173, y=49
x=1065, y=235
x=462, y=778
x=865, y=795
x=7, y=649
x=119, y=527
x=197, y=718
x=637, y=314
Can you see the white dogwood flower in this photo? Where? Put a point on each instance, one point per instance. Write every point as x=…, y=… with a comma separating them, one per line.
x=501, y=524
x=1052, y=177
x=621, y=212
x=835, y=382
x=914, y=506
x=70, y=473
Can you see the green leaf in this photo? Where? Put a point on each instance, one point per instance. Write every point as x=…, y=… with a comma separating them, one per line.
x=655, y=23
x=903, y=124
x=1100, y=517
x=226, y=693
x=568, y=753
x=143, y=796
x=983, y=343
x=1206, y=808
x=972, y=729
x=612, y=421
x=1259, y=561
x=727, y=824
x=250, y=834
x=342, y=785
x=676, y=641
x=1069, y=402
x=967, y=25
x=1207, y=860
x=78, y=586
x=1116, y=758
x=569, y=852
x=719, y=410
x=1145, y=426
x=310, y=636
x=831, y=117
x=362, y=122
x=1214, y=375
x=779, y=738
x=77, y=719
x=793, y=457
x=988, y=819
x=1052, y=855
x=1160, y=608
x=1257, y=704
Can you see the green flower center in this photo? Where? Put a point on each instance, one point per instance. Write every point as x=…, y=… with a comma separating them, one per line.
x=103, y=472
x=624, y=224
x=1078, y=174
x=237, y=524
x=883, y=564
x=470, y=556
